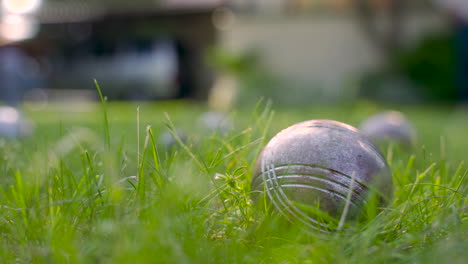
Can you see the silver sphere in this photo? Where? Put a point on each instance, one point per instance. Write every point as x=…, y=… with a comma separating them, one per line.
x=389, y=126
x=315, y=163
x=12, y=124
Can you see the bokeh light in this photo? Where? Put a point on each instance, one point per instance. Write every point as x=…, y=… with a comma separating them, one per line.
x=17, y=27
x=21, y=6
x=8, y=115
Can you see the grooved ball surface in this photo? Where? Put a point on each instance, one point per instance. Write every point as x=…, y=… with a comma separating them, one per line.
x=314, y=163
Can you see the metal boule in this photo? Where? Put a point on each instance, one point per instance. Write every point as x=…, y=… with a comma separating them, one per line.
x=389, y=126
x=317, y=165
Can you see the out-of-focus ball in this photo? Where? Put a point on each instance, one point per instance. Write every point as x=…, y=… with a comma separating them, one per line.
x=316, y=164
x=389, y=126
x=12, y=124
x=168, y=141
x=215, y=121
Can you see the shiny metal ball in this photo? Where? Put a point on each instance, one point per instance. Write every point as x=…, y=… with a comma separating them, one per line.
x=12, y=124
x=315, y=165
x=389, y=126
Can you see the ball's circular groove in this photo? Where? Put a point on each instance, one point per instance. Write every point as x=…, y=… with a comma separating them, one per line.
x=315, y=163
x=283, y=204
x=313, y=176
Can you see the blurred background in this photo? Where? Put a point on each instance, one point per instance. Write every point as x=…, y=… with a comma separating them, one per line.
x=234, y=52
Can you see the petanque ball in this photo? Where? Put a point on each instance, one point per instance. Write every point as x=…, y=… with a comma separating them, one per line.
x=389, y=126
x=315, y=165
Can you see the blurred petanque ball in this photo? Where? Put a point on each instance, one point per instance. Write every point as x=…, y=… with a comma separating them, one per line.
x=12, y=124
x=315, y=165
x=389, y=126
x=168, y=141
x=215, y=121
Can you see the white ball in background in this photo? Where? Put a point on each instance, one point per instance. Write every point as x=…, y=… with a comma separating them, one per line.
x=12, y=123
x=168, y=141
x=215, y=121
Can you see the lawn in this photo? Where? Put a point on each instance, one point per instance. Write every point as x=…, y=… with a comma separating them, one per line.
x=96, y=186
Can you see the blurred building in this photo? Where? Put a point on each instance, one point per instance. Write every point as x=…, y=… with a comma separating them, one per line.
x=140, y=49
x=324, y=45
x=146, y=49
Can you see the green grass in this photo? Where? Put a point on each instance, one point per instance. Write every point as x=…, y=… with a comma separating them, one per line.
x=84, y=189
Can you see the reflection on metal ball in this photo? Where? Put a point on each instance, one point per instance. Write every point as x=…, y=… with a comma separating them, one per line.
x=389, y=126
x=317, y=164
